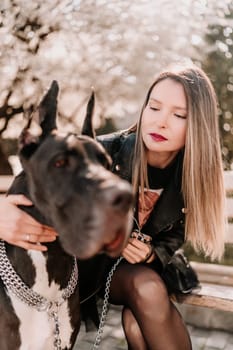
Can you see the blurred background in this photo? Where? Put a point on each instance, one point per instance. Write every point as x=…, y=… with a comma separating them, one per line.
x=115, y=46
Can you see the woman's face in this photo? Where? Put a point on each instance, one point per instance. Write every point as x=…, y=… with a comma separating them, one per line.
x=164, y=122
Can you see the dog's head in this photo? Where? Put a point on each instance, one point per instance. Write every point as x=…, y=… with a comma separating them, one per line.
x=70, y=183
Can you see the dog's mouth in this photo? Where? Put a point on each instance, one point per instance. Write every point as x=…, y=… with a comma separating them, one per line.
x=108, y=236
x=114, y=248
x=88, y=248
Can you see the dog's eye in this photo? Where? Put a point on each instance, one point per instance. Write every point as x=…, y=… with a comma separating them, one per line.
x=61, y=162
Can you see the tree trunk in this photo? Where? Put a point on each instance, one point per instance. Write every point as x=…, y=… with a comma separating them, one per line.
x=5, y=168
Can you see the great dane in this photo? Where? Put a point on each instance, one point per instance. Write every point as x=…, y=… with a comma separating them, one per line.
x=67, y=178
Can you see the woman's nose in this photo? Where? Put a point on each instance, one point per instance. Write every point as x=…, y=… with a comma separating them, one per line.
x=162, y=119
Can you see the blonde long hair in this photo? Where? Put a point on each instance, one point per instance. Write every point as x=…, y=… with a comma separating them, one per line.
x=202, y=178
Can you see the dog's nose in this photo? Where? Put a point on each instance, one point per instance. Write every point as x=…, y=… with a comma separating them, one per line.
x=119, y=197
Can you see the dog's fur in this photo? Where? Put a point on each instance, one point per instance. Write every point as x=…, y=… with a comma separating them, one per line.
x=68, y=180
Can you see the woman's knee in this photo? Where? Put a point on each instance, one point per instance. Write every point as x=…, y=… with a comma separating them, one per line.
x=138, y=285
x=148, y=284
x=148, y=291
x=149, y=297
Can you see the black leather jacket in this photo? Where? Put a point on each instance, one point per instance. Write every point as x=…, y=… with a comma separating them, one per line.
x=165, y=225
x=166, y=222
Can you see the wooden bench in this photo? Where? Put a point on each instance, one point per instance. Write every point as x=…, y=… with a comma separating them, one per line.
x=210, y=295
x=216, y=289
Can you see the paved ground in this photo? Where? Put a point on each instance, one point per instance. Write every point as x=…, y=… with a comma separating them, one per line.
x=113, y=337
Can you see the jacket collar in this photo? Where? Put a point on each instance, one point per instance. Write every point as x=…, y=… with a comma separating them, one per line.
x=123, y=159
x=168, y=210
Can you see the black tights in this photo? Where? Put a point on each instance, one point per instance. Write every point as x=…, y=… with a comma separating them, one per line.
x=150, y=320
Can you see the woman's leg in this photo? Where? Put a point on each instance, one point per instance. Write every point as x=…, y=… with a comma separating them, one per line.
x=132, y=331
x=155, y=321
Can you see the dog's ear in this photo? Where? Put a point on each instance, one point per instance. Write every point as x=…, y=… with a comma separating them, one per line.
x=27, y=144
x=48, y=110
x=45, y=118
x=87, y=128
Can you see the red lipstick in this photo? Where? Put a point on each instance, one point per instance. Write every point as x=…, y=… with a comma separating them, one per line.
x=157, y=137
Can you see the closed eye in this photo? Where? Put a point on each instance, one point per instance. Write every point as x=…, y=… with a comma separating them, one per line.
x=154, y=109
x=180, y=116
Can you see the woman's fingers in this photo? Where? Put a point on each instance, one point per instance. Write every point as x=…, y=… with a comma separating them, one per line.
x=27, y=220
x=19, y=228
x=136, y=251
x=129, y=256
x=31, y=246
x=30, y=241
x=38, y=229
x=23, y=243
x=19, y=199
x=138, y=244
x=33, y=238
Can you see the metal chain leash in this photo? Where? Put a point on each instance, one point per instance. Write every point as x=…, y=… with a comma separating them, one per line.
x=107, y=290
x=105, y=305
x=15, y=284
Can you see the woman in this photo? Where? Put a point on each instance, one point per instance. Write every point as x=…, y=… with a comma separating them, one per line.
x=172, y=157
x=177, y=168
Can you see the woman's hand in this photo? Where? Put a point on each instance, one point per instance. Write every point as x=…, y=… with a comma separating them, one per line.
x=19, y=228
x=137, y=251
